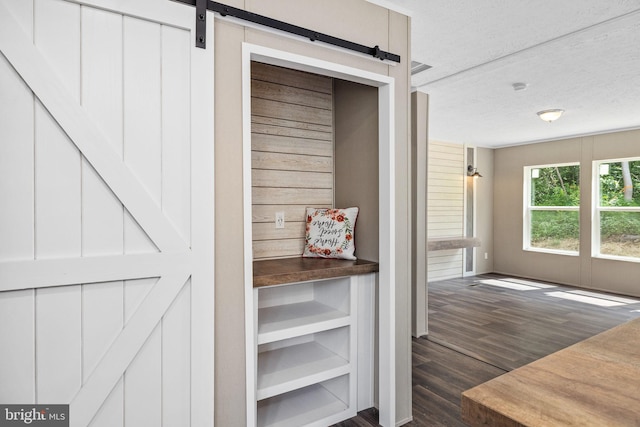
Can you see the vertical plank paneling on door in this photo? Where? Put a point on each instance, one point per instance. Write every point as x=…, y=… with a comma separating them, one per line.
x=142, y=108
x=17, y=380
x=176, y=148
x=58, y=332
x=143, y=154
x=102, y=321
x=16, y=166
x=102, y=212
x=176, y=344
x=57, y=35
x=57, y=210
x=143, y=384
x=142, y=112
x=102, y=71
x=176, y=202
x=142, y=139
x=16, y=151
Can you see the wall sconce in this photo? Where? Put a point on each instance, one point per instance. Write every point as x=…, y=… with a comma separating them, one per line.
x=473, y=172
x=550, y=115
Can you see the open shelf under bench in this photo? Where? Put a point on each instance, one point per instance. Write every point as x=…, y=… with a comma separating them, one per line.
x=309, y=347
x=294, y=367
x=292, y=270
x=306, y=406
x=286, y=321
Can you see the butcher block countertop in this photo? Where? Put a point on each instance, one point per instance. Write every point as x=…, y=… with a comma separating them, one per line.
x=595, y=382
x=291, y=270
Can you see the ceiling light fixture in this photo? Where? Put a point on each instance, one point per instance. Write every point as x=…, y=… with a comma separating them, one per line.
x=550, y=115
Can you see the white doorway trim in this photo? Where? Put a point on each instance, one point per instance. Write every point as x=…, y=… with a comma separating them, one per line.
x=386, y=278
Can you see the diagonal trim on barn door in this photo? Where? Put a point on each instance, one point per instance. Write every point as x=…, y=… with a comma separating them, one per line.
x=44, y=273
x=33, y=68
x=180, y=262
x=124, y=349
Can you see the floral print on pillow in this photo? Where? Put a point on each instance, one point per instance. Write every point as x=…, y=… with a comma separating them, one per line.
x=330, y=233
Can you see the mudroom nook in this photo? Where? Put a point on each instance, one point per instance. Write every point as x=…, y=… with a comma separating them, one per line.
x=319, y=330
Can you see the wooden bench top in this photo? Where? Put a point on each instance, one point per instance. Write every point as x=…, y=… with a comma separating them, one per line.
x=291, y=270
x=595, y=382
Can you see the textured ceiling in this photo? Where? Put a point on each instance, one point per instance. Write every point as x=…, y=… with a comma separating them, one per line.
x=579, y=55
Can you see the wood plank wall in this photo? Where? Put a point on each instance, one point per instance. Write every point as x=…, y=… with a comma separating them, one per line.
x=445, y=207
x=292, y=154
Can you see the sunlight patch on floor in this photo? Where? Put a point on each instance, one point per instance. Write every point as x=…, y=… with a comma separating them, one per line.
x=530, y=283
x=515, y=284
x=607, y=296
x=593, y=300
x=508, y=285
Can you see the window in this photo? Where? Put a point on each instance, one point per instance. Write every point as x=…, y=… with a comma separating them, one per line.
x=616, y=220
x=552, y=208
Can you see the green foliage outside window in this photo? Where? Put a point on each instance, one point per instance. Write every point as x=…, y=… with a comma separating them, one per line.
x=555, y=229
x=619, y=201
x=556, y=186
x=619, y=208
x=554, y=225
x=612, y=186
x=620, y=225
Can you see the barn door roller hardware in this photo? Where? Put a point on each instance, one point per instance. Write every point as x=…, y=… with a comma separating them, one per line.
x=203, y=5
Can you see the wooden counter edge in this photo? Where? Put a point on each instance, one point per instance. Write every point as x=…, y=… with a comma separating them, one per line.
x=475, y=414
x=282, y=271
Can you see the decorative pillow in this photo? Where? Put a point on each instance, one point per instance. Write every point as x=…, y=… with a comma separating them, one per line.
x=330, y=233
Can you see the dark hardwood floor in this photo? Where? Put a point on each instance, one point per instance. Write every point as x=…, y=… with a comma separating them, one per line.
x=478, y=331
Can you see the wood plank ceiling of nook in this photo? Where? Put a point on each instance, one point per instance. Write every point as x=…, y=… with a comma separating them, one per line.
x=578, y=55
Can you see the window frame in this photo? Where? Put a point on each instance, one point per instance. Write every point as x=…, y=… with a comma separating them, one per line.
x=528, y=208
x=597, y=209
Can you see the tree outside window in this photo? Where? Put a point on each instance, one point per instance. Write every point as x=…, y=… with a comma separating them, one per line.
x=552, y=208
x=616, y=225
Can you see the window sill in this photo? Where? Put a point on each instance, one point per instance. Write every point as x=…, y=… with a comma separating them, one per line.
x=616, y=258
x=552, y=251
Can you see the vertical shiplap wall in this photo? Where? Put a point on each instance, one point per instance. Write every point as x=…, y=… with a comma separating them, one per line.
x=292, y=154
x=445, y=206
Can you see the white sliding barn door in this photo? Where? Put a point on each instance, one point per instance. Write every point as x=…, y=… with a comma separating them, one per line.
x=106, y=211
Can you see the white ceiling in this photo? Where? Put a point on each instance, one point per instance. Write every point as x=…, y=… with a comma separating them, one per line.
x=582, y=56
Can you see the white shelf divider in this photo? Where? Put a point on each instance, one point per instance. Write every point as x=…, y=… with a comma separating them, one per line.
x=297, y=366
x=291, y=320
x=310, y=406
